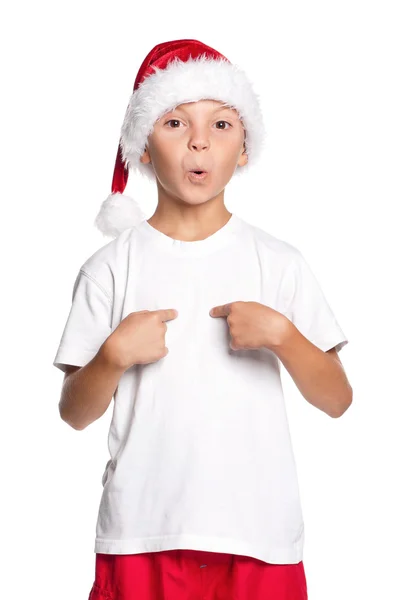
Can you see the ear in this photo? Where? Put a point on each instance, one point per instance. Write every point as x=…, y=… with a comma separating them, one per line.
x=145, y=157
x=243, y=158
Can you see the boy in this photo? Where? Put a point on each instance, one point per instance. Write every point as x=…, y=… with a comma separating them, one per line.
x=183, y=319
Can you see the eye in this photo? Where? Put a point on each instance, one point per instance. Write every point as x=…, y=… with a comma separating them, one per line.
x=173, y=121
x=225, y=122
x=178, y=121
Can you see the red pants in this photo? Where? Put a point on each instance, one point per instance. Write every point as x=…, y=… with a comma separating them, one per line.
x=195, y=575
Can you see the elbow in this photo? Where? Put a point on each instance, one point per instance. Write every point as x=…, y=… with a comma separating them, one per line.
x=77, y=427
x=68, y=421
x=341, y=407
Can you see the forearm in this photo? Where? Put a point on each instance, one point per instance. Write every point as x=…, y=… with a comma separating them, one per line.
x=87, y=393
x=319, y=376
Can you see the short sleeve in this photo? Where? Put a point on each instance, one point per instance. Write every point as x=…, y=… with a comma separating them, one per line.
x=88, y=324
x=308, y=308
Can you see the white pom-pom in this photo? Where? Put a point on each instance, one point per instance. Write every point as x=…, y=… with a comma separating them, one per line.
x=117, y=213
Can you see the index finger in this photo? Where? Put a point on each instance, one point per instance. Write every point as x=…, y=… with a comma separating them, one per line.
x=167, y=314
x=221, y=311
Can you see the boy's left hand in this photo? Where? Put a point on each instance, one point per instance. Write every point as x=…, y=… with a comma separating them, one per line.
x=252, y=325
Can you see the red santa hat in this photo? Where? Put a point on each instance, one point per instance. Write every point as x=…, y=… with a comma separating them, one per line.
x=174, y=73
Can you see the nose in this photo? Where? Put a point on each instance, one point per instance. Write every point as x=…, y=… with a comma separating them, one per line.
x=198, y=144
x=198, y=140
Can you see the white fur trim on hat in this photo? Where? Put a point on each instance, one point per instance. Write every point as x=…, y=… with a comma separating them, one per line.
x=180, y=82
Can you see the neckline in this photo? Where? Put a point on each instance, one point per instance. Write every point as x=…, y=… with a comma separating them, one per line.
x=216, y=240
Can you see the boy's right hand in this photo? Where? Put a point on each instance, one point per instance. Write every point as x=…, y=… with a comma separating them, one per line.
x=139, y=338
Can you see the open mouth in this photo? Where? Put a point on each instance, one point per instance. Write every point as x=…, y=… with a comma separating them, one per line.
x=197, y=175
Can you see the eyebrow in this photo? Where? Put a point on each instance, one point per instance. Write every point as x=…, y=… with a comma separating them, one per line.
x=217, y=110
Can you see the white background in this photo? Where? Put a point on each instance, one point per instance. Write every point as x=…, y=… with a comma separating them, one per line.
x=326, y=73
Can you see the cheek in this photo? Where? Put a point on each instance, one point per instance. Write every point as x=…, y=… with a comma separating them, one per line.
x=228, y=151
x=166, y=161
x=169, y=169
x=226, y=166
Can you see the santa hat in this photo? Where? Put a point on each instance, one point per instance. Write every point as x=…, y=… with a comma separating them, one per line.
x=174, y=73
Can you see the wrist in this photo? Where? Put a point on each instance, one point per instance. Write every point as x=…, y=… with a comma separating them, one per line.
x=108, y=358
x=283, y=335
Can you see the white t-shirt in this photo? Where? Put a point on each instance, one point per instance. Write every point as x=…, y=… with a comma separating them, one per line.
x=201, y=454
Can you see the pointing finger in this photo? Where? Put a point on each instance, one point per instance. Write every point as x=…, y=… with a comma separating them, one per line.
x=220, y=311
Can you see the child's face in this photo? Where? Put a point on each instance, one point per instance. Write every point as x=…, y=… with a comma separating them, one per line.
x=203, y=135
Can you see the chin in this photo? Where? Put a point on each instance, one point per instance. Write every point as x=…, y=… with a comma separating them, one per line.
x=191, y=196
x=196, y=201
